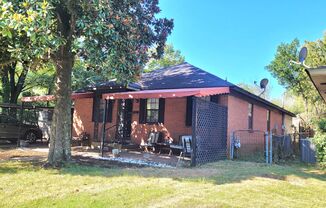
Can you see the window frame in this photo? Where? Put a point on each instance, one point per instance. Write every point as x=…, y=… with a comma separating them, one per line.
x=250, y=116
x=149, y=108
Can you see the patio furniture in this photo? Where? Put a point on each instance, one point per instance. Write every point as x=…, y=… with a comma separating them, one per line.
x=175, y=147
x=151, y=141
x=186, y=146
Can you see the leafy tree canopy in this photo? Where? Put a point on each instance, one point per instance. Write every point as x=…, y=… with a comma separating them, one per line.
x=170, y=57
x=295, y=78
x=292, y=76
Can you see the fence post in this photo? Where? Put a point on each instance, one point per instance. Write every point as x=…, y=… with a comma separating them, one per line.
x=231, y=145
x=194, y=135
x=271, y=148
x=266, y=146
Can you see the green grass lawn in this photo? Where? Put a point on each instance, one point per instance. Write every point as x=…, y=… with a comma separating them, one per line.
x=222, y=184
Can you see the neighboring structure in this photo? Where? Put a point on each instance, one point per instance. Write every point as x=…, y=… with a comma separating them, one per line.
x=161, y=101
x=318, y=77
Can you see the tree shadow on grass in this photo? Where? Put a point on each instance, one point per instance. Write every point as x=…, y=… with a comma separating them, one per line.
x=16, y=166
x=223, y=172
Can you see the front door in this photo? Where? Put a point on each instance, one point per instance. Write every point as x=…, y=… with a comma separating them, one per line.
x=124, y=120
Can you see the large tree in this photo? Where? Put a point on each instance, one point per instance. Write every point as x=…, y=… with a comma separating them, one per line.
x=108, y=35
x=294, y=77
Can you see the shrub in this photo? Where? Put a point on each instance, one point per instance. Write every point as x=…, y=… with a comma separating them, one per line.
x=320, y=142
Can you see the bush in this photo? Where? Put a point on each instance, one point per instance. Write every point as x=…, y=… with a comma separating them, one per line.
x=320, y=142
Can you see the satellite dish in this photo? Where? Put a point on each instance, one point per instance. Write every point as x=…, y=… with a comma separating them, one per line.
x=263, y=83
x=303, y=54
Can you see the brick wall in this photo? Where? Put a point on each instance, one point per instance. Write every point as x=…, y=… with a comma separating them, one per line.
x=83, y=119
x=238, y=118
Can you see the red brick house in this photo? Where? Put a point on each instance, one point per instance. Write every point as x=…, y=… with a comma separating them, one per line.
x=162, y=101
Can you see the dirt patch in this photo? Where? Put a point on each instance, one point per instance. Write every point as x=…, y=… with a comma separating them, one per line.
x=39, y=155
x=82, y=160
x=274, y=176
x=22, y=154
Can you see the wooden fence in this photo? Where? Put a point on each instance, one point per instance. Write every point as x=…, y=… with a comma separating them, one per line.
x=308, y=151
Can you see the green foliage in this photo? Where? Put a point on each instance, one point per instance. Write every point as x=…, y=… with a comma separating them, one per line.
x=322, y=125
x=111, y=36
x=292, y=76
x=170, y=57
x=82, y=77
x=320, y=142
x=295, y=78
x=41, y=81
x=25, y=29
x=316, y=52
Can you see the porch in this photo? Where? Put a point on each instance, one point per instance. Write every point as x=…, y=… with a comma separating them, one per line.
x=127, y=118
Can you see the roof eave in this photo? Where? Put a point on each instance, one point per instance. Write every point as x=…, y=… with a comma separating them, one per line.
x=259, y=99
x=313, y=72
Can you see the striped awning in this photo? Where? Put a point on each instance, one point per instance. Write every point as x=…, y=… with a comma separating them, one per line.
x=167, y=93
x=44, y=98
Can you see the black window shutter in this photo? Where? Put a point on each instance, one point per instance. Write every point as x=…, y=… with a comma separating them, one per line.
x=109, y=111
x=96, y=108
x=161, y=110
x=189, y=111
x=142, y=111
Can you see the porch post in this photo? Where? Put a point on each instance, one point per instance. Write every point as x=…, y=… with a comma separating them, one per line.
x=21, y=121
x=104, y=127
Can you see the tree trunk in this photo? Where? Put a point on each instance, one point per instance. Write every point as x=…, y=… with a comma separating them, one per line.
x=60, y=140
x=5, y=85
x=60, y=137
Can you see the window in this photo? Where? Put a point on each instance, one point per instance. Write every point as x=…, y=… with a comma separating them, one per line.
x=268, y=120
x=152, y=110
x=250, y=116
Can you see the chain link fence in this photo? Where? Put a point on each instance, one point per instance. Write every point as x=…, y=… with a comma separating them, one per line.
x=249, y=145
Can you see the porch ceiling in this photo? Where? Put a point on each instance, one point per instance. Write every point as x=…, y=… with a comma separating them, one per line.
x=167, y=93
x=74, y=96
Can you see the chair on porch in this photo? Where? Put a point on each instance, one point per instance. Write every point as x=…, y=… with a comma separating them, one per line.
x=186, y=146
x=151, y=141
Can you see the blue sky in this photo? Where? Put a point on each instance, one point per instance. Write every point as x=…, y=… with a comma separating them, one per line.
x=236, y=39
